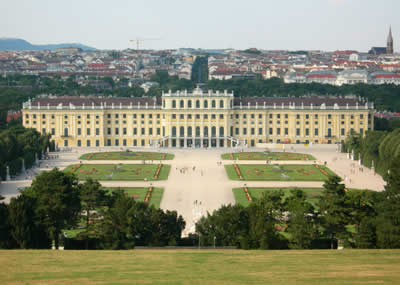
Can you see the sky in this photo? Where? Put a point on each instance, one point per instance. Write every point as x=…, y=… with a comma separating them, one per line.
x=213, y=24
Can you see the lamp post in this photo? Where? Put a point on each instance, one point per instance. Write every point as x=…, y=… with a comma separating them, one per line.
x=214, y=240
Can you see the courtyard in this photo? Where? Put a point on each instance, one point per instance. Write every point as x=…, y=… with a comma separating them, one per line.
x=267, y=156
x=127, y=155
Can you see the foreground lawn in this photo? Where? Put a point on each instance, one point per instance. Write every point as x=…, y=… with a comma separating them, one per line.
x=267, y=156
x=127, y=155
x=200, y=267
x=283, y=172
x=119, y=172
x=140, y=193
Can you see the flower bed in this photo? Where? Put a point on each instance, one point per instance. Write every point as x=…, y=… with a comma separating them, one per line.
x=75, y=168
x=157, y=171
x=231, y=156
x=148, y=195
x=322, y=170
x=239, y=174
x=247, y=193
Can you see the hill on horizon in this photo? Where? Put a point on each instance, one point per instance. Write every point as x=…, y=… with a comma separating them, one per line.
x=22, y=45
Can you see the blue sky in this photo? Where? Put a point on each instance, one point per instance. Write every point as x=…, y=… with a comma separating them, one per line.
x=265, y=24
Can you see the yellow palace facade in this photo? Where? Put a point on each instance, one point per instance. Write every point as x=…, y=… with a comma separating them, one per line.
x=196, y=119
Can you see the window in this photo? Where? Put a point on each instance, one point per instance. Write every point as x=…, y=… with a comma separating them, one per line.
x=43, y=116
x=52, y=116
x=278, y=131
x=221, y=131
x=213, y=116
x=237, y=116
x=150, y=131
x=189, y=131
x=197, y=116
x=244, y=116
x=307, y=116
x=150, y=116
x=316, y=132
x=342, y=117
x=79, y=143
x=79, y=132
x=213, y=104
x=189, y=116
x=213, y=131
x=65, y=116
x=189, y=104
x=252, y=130
x=205, y=132
x=270, y=116
x=173, y=131
x=108, y=116
x=298, y=116
x=97, y=131
x=88, y=143
x=117, y=142
x=53, y=131
x=134, y=116
x=297, y=131
x=88, y=131
x=316, y=116
x=361, y=116
x=221, y=116
x=205, y=116
x=108, y=131
x=278, y=116
x=134, y=131
x=116, y=116
x=173, y=104
x=142, y=132
x=43, y=131
x=65, y=142
x=197, y=104
x=173, y=116
x=87, y=116
x=286, y=116
x=260, y=131
x=197, y=131
x=124, y=131
x=109, y=142
x=205, y=104
x=270, y=131
x=181, y=104
x=142, y=116
x=221, y=104
x=158, y=131
x=124, y=142
x=244, y=131
x=307, y=132
x=237, y=131
x=286, y=131
x=142, y=142
x=342, y=133
x=65, y=132
x=117, y=131
x=329, y=116
x=97, y=143
x=181, y=116
x=135, y=141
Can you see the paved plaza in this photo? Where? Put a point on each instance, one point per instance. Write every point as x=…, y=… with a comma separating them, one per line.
x=198, y=183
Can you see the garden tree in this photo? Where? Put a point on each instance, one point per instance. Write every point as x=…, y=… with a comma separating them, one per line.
x=388, y=221
x=115, y=230
x=363, y=214
x=170, y=227
x=265, y=214
x=58, y=204
x=334, y=209
x=92, y=197
x=228, y=226
x=5, y=238
x=301, y=224
x=26, y=229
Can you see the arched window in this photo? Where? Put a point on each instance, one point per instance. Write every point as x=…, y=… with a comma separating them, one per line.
x=197, y=104
x=173, y=104
x=190, y=104
x=221, y=131
x=205, y=132
x=197, y=131
x=213, y=104
x=205, y=104
x=213, y=131
x=189, y=131
x=221, y=104
x=181, y=104
x=182, y=131
x=174, y=131
x=65, y=132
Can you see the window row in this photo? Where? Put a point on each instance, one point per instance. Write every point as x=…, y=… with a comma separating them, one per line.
x=189, y=105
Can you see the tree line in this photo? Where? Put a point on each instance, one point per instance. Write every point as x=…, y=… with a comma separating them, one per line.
x=378, y=149
x=19, y=144
x=56, y=201
x=352, y=218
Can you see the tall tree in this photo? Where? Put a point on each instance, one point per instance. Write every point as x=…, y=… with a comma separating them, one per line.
x=5, y=238
x=92, y=196
x=301, y=220
x=388, y=225
x=334, y=209
x=58, y=203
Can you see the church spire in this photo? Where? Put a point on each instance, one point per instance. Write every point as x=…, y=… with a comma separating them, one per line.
x=389, y=47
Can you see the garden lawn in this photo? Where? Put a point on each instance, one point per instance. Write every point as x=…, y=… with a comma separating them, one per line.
x=267, y=156
x=127, y=155
x=119, y=172
x=255, y=193
x=282, y=172
x=140, y=193
x=202, y=267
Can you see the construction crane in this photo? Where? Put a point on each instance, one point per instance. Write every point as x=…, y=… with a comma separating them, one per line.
x=139, y=41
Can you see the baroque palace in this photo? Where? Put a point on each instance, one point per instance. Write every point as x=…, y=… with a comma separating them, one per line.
x=197, y=119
